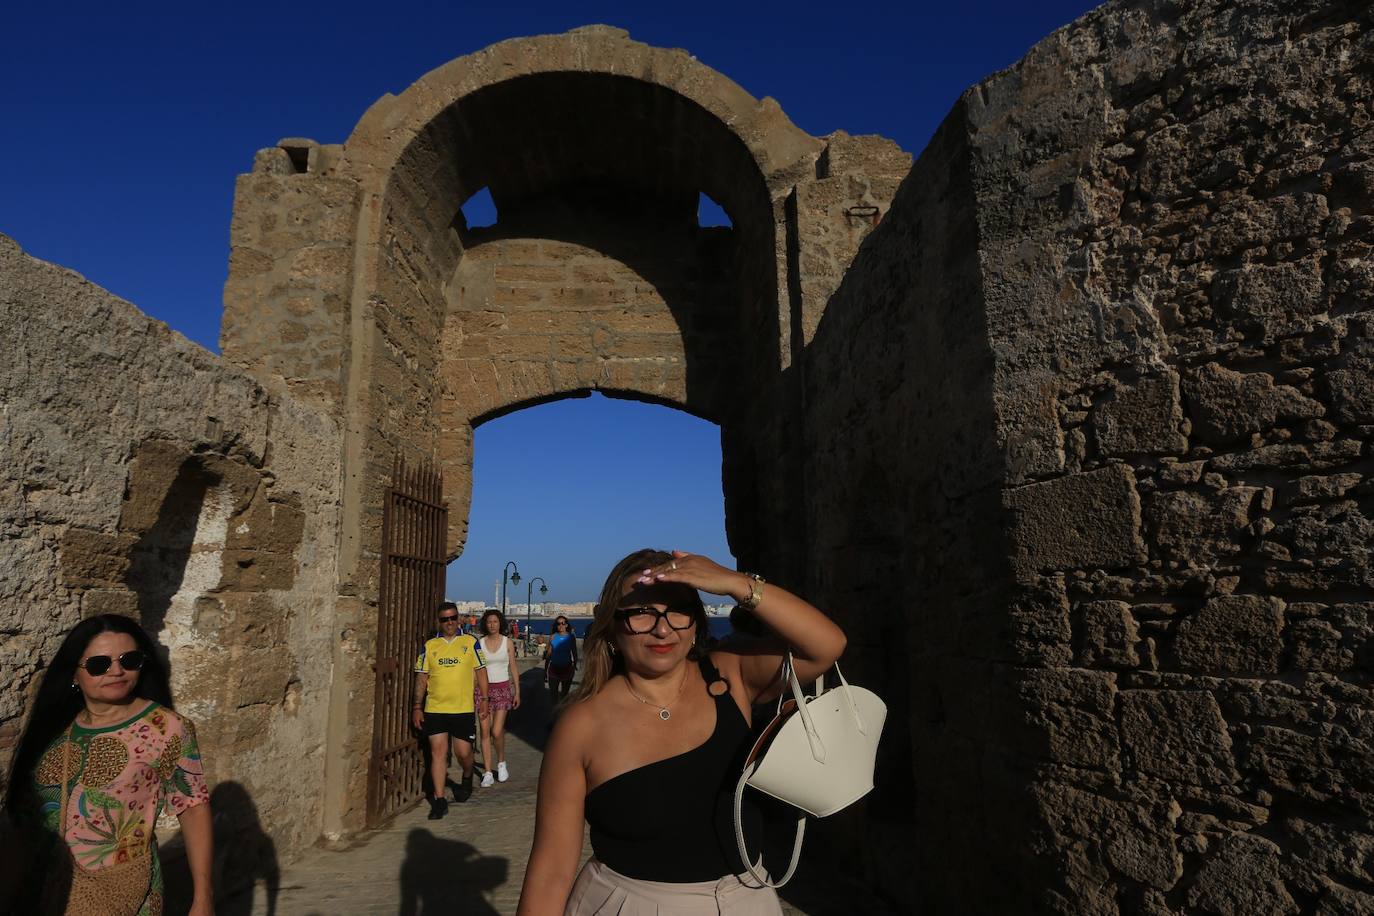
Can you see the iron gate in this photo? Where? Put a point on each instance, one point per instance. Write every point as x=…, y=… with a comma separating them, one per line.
x=414, y=527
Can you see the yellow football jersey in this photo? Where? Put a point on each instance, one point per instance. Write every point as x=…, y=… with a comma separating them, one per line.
x=451, y=666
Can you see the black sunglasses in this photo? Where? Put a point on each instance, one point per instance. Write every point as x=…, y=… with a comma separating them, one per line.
x=645, y=619
x=448, y=619
x=96, y=665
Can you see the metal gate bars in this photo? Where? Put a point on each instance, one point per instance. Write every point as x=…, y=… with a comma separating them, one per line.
x=414, y=526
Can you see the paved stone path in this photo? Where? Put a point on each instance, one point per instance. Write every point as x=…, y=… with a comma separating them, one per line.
x=471, y=862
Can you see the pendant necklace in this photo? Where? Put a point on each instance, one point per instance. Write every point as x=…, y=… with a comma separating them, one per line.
x=663, y=712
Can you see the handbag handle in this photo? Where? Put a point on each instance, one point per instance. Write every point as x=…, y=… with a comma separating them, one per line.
x=813, y=736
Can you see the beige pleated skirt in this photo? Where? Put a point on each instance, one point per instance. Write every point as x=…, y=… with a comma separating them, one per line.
x=599, y=891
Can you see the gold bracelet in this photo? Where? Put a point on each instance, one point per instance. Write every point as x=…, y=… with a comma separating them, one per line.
x=756, y=583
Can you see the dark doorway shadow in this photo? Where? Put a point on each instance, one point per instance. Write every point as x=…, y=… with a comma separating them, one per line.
x=447, y=876
x=244, y=853
x=533, y=721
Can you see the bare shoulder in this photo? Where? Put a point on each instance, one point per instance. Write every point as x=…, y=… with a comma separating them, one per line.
x=754, y=664
x=575, y=728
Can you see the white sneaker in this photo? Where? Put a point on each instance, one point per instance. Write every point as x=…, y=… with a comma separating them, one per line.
x=502, y=773
x=487, y=781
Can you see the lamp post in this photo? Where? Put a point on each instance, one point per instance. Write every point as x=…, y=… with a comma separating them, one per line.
x=529, y=599
x=514, y=572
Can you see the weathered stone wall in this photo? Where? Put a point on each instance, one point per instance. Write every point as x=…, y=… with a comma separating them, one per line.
x=1174, y=207
x=1089, y=416
x=286, y=302
x=141, y=475
x=895, y=458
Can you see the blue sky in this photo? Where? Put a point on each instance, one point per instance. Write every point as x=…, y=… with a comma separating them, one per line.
x=125, y=125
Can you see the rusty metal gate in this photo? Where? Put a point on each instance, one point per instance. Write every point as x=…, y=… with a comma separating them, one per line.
x=414, y=527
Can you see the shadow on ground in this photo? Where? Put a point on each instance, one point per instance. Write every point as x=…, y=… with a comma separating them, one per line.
x=447, y=876
x=533, y=721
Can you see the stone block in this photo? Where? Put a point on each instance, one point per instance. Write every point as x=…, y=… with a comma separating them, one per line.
x=1065, y=716
x=1315, y=645
x=97, y=601
x=1177, y=735
x=1084, y=520
x=95, y=558
x=1038, y=627
x=1227, y=406
x=1240, y=634
x=1135, y=839
x=1243, y=878
x=1107, y=635
x=1350, y=387
x=1194, y=527
x=257, y=570
x=1266, y=291
x=1326, y=765
x=1316, y=488
x=1141, y=418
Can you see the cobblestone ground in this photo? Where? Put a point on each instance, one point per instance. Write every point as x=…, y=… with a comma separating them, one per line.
x=471, y=862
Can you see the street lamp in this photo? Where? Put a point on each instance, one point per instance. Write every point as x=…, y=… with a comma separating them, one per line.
x=529, y=599
x=514, y=572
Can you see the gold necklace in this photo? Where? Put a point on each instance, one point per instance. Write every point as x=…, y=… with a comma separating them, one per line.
x=663, y=712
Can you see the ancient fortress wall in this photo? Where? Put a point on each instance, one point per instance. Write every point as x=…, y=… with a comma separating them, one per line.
x=1115, y=501
x=144, y=476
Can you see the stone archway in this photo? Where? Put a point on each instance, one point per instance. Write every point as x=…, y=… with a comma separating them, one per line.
x=356, y=283
x=594, y=149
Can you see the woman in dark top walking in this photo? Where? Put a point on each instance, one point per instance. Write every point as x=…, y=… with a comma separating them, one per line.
x=650, y=748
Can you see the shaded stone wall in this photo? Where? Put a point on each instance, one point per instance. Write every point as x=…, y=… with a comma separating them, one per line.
x=1174, y=216
x=144, y=476
x=898, y=460
x=1102, y=444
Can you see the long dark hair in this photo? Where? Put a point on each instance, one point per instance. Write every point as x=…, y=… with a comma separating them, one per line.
x=56, y=705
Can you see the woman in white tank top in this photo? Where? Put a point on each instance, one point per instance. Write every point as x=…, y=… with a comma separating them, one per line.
x=503, y=695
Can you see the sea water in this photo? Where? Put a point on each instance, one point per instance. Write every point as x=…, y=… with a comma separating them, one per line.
x=543, y=626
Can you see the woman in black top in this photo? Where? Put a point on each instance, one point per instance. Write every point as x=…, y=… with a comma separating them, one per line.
x=650, y=748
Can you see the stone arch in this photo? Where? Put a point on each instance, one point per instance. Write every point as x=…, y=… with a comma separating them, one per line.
x=595, y=149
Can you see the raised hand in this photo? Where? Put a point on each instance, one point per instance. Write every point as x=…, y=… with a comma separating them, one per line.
x=699, y=572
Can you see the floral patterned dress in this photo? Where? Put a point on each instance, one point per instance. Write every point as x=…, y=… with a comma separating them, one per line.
x=121, y=779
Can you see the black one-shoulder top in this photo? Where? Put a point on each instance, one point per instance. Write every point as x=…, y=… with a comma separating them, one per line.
x=673, y=819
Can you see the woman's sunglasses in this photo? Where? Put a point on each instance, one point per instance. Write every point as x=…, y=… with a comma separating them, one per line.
x=96, y=665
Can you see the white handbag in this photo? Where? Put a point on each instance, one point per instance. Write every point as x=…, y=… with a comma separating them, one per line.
x=817, y=755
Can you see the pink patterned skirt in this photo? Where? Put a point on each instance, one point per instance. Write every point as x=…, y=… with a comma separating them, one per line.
x=500, y=695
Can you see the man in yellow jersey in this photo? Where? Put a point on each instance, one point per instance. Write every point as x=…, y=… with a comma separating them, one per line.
x=445, y=673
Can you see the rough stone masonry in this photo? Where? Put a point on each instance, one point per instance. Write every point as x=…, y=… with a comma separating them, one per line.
x=1069, y=423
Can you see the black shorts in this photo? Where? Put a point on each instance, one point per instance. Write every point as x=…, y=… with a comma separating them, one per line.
x=460, y=725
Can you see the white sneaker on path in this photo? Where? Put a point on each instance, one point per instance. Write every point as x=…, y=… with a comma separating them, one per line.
x=502, y=774
x=487, y=781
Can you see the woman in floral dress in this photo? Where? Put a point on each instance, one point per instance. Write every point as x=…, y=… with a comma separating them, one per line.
x=102, y=758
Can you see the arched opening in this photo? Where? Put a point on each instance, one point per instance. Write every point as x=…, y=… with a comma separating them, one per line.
x=566, y=488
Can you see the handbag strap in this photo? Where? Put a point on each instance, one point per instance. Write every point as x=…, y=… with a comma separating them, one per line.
x=66, y=789
x=757, y=872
